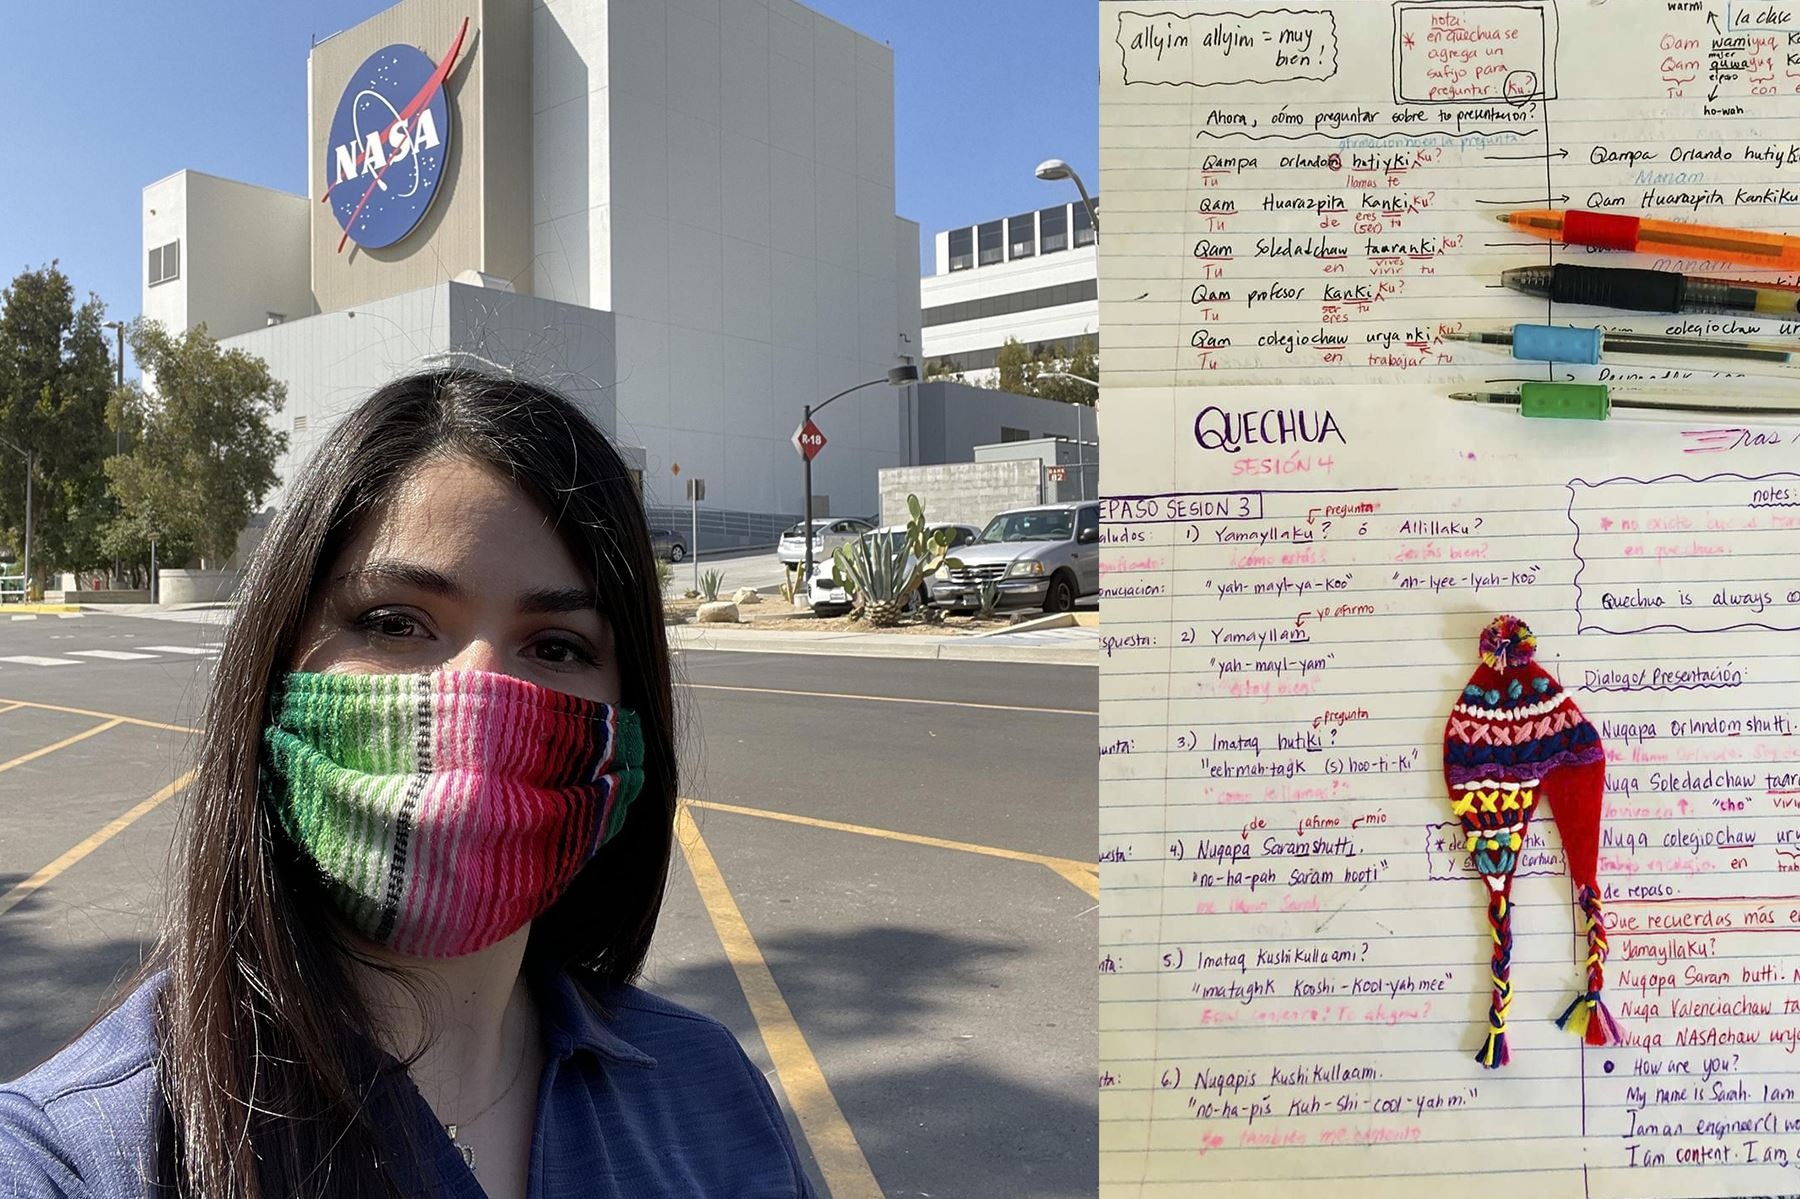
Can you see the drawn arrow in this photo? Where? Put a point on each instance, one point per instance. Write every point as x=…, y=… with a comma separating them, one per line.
x=1552, y=200
x=1524, y=157
x=1713, y=18
x=1714, y=94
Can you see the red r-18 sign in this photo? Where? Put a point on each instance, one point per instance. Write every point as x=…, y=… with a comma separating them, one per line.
x=808, y=441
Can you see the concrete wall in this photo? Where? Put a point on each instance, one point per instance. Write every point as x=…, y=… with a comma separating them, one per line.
x=1079, y=463
x=749, y=215
x=481, y=218
x=165, y=220
x=964, y=492
x=954, y=418
x=571, y=140
x=243, y=253
x=333, y=361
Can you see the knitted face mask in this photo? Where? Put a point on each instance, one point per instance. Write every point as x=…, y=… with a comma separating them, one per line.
x=446, y=810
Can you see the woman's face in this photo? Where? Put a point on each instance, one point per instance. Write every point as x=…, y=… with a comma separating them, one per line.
x=459, y=569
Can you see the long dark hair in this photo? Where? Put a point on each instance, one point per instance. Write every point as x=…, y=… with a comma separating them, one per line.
x=266, y=1062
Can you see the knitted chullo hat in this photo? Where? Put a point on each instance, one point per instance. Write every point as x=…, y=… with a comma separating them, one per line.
x=1516, y=736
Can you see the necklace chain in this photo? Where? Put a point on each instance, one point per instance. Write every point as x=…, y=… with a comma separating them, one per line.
x=468, y=1154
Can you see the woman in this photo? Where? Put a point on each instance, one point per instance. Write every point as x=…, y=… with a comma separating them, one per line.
x=422, y=857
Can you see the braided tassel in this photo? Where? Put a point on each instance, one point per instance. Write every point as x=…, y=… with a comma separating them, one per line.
x=1586, y=1016
x=1493, y=1053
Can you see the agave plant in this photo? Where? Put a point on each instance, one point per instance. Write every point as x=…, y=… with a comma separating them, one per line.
x=987, y=594
x=710, y=582
x=884, y=574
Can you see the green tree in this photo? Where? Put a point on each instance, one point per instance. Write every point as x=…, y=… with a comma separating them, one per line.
x=55, y=377
x=1013, y=367
x=944, y=368
x=203, y=451
x=1079, y=357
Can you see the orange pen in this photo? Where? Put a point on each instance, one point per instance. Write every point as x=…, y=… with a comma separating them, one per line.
x=1678, y=239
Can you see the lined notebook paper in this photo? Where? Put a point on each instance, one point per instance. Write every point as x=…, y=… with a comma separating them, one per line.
x=1304, y=538
x=1306, y=193
x=1294, y=970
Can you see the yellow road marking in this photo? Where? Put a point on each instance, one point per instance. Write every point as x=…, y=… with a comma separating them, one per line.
x=894, y=699
x=63, y=744
x=113, y=716
x=112, y=828
x=10, y=707
x=840, y=1158
x=1084, y=875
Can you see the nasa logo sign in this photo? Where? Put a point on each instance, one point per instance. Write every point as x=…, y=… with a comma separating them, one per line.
x=384, y=161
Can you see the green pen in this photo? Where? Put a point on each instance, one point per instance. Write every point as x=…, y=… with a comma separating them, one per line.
x=1593, y=401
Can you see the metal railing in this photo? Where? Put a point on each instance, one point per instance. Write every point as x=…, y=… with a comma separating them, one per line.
x=12, y=587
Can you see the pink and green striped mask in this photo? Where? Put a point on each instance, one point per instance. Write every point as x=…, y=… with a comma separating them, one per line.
x=447, y=810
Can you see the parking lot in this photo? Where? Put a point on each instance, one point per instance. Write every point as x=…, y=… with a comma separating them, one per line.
x=886, y=884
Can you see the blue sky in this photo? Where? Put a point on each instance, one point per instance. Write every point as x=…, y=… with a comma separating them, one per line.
x=102, y=99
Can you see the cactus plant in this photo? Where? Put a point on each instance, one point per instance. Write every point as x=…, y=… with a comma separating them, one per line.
x=988, y=594
x=710, y=582
x=884, y=574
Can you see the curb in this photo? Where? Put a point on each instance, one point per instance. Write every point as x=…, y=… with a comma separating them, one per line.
x=855, y=645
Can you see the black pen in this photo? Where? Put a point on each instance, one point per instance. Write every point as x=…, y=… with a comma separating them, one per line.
x=1651, y=291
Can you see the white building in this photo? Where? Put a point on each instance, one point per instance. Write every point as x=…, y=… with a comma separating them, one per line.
x=1031, y=277
x=681, y=212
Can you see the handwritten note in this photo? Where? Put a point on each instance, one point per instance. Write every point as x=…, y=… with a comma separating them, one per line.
x=1307, y=194
x=1293, y=951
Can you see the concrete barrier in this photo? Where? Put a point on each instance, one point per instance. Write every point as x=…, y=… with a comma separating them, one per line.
x=195, y=586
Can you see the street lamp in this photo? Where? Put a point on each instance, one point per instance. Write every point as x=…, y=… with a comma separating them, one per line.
x=899, y=375
x=1056, y=168
x=118, y=327
x=30, y=469
x=1080, y=451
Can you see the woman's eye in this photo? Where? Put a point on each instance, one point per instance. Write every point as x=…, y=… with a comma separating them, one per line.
x=560, y=651
x=389, y=624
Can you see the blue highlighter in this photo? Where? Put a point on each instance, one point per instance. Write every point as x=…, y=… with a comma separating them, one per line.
x=1587, y=346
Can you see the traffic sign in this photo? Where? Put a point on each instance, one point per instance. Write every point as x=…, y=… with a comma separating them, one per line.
x=808, y=441
x=696, y=491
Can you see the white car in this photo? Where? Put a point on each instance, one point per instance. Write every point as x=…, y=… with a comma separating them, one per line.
x=827, y=536
x=828, y=599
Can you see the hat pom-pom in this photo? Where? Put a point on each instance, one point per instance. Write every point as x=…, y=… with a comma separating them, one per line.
x=1507, y=642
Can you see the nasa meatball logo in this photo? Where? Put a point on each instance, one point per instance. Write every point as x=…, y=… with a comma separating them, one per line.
x=384, y=162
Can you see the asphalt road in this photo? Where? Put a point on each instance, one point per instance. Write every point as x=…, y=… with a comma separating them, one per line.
x=887, y=888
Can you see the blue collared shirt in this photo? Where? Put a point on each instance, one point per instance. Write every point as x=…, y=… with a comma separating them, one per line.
x=652, y=1100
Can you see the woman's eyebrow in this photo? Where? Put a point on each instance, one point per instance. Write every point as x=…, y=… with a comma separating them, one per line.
x=559, y=599
x=408, y=573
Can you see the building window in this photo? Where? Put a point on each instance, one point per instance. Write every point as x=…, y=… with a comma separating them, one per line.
x=165, y=263
x=1084, y=228
x=299, y=424
x=1007, y=433
x=1030, y=300
x=991, y=243
x=1053, y=229
x=1021, y=235
x=962, y=249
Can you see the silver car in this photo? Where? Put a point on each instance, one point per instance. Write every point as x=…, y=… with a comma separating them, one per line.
x=828, y=599
x=827, y=535
x=1047, y=556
